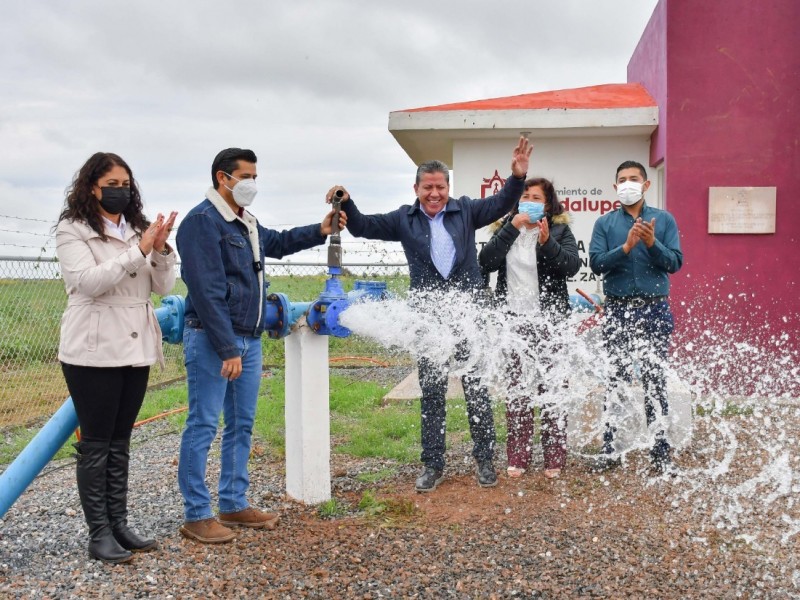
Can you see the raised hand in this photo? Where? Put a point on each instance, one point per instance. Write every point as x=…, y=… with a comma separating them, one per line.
x=520, y=220
x=155, y=236
x=632, y=239
x=521, y=157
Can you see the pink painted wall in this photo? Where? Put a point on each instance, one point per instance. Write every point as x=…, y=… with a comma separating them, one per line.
x=648, y=66
x=729, y=100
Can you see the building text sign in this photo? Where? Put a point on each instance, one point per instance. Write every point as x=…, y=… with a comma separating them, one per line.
x=741, y=209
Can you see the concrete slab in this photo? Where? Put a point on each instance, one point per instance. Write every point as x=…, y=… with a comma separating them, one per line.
x=408, y=389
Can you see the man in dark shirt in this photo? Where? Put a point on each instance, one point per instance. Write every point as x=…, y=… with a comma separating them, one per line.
x=636, y=248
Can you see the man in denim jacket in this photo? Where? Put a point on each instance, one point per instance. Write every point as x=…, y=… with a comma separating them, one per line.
x=222, y=249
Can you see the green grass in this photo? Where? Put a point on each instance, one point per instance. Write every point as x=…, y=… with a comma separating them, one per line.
x=371, y=506
x=730, y=409
x=164, y=400
x=30, y=319
x=389, y=510
x=333, y=508
x=361, y=425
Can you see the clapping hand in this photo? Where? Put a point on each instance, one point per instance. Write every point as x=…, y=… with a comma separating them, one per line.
x=155, y=236
x=544, y=231
x=646, y=231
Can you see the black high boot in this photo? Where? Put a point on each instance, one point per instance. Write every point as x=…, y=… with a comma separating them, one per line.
x=91, y=474
x=117, y=498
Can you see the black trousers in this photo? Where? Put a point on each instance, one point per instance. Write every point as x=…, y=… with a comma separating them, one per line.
x=107, y=399
x=646, y=332
x=433, y=383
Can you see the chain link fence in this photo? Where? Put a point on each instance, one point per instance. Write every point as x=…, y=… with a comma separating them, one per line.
x=32, y=300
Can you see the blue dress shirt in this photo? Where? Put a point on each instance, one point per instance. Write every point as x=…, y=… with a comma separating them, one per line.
x=443, y=250
x=644, y=271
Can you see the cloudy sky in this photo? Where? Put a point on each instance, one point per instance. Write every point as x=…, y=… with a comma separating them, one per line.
x=307, y=85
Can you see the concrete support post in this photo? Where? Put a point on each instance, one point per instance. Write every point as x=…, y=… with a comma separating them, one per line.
x=308, y=446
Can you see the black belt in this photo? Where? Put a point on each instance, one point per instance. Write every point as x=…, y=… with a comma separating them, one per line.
x=635, y=301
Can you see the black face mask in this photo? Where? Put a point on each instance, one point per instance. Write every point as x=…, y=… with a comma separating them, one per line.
x=115, y=199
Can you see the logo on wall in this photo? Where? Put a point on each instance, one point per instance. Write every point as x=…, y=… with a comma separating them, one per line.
x=493, y=185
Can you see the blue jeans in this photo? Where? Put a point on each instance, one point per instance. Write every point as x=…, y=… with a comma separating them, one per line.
x=210, y=394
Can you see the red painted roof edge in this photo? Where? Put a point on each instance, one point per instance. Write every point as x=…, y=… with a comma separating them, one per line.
x=611, y=95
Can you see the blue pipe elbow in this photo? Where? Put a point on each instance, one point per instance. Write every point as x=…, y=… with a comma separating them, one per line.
x=170, y=318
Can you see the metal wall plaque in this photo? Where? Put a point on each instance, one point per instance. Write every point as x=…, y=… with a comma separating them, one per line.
x=741, y=209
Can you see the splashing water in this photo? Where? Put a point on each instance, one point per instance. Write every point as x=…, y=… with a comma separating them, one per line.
x=737, y=463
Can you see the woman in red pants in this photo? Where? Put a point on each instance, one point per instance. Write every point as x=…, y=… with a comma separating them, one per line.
x=533, y=251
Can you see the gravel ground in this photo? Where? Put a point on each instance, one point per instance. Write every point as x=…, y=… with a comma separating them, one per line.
x=589, y=534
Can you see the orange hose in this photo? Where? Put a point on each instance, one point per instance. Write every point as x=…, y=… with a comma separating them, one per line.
x=362, y=358
x=160, y=415
x=597, y=307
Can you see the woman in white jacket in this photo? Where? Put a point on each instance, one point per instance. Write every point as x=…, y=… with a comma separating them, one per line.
x=111, y=259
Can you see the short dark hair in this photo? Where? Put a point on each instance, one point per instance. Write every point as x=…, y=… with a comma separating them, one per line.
x=228, y=161
x=631, y=164
x=552, y=205
x=433, y=166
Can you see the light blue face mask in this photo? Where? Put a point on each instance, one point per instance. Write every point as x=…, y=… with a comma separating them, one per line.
x=534, y=210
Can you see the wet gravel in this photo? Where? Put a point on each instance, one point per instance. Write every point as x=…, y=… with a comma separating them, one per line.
x=589, y=534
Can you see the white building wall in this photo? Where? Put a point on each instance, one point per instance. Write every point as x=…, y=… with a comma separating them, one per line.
x=581, y=168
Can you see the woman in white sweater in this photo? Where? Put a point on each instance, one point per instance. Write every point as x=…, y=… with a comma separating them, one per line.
x=534, y=252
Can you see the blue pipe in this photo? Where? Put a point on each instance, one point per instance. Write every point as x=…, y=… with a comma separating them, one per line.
x=323, y=313
x=30, y=462
x=323, y=317
x=55, y=433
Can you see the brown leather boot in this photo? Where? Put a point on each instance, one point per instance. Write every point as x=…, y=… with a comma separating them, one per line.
x=208, y=531
x=250, y=517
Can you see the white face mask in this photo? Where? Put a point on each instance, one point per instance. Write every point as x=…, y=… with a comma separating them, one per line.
x=629, y=192
x=244, y=192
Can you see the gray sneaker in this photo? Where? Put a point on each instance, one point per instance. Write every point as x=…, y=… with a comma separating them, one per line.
x=429, y=479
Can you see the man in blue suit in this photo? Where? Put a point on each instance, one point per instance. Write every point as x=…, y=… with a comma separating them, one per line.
x=437, y=233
